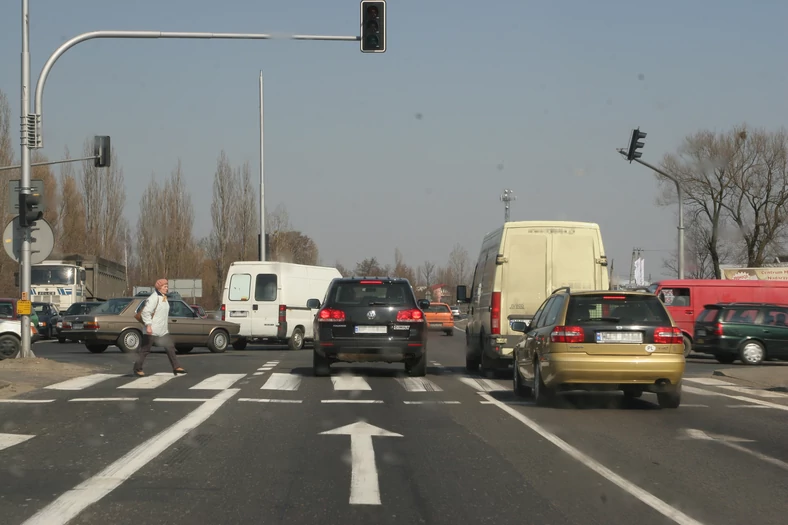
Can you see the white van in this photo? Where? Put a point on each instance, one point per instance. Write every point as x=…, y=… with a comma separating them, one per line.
x=520, y=264
x=268, y=299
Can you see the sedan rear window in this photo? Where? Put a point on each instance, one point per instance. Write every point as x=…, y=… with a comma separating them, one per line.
x=111, y=307
x=359, y=293
x=620, y=309
x=438, y=309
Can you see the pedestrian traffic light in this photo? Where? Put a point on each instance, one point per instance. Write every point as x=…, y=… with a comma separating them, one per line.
x=635, y=145
x=101, y=152
x=27, y=214
x=373, y=26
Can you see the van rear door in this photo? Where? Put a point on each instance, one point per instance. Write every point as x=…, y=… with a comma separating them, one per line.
x=524, y=277
x=238, y=300
x=265, y=308
x=574, y=261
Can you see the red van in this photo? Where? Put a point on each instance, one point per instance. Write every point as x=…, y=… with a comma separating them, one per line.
x=686, y=298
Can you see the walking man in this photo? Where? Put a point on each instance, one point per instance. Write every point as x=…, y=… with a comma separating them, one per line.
x=155, y=315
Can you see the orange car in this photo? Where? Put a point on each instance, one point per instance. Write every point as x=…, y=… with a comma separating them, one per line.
x=439, y=317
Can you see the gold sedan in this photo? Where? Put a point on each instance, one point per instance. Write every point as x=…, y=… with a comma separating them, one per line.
x=600, y=340
x=113, y=323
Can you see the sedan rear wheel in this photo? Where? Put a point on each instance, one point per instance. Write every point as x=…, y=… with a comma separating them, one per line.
x=218, y=342
x=129, y=341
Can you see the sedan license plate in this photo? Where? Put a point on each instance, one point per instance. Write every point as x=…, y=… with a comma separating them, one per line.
x=619, y=337
x=372, y=329
x=436, y=324
x=76, y=326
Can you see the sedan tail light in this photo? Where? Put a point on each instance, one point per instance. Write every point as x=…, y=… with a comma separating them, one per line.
x=414, y=315
x=567, y=334
x=91, y=325
x=668, y=335
x=330, y=315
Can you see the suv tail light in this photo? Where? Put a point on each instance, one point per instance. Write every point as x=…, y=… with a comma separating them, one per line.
x=224, y=311
x=282, y=313
x=567, y=334
x=718, y=329
x=414, y=315
x=330, y=314
x=668, y=335
x=495, y=314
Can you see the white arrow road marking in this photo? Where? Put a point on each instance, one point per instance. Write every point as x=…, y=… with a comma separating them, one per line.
x=9, y=440
x=74, y=501
x=624, y=484
x=364, y=485
x=702, y=392
x=282, y=382
x=732, y=442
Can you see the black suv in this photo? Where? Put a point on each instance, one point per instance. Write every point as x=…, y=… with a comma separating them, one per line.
x=370, y=320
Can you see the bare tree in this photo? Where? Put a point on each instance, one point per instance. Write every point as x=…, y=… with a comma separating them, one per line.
x=72, y=232
x=246, y=228
x=698, y=262
x=50, y=197
x=150, y=249
x=105, y=199
x=225, y=198
x=344, y=272
x=427, y=271
x=458, y=265
x=368, y=268
x=7, y=266
x=403, y=270
x=176, y=208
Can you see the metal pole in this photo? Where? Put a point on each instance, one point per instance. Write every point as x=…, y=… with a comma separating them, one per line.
x=680, y=195
x=263, y=254
x=24, y=183
x=51, y=162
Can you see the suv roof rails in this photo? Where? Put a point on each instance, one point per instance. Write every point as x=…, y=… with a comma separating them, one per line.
x=568, y=290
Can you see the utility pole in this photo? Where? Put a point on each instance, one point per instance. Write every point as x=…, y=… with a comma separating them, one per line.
x=506, y=197
x=263, y=247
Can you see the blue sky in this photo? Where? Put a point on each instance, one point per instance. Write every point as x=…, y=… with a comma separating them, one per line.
x=548, y=89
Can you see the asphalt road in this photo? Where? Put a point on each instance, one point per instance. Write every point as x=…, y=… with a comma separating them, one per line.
x=252, y=437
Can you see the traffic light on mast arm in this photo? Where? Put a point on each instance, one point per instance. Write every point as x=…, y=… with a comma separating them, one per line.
x=27, y=215
x=101, y=151
x=635, y=145
x=373, y=26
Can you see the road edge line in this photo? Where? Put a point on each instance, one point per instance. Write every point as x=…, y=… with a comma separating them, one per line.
x=627, y=486
x=72, y=502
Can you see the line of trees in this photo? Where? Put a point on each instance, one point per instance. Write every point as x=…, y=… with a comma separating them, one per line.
x=735, y=186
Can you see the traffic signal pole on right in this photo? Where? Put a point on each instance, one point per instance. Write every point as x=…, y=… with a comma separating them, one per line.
x=632, y=153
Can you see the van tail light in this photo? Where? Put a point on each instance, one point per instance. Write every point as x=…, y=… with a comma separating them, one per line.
x=330, y=315
x=282, y=313
x=495, y=314
x=224, y=311
x=718, y=329
x=567, y=334
x=413, y=315
x=668, y=335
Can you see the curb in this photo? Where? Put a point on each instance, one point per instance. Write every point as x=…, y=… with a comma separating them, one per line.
x=4, y=384
x=721, y=373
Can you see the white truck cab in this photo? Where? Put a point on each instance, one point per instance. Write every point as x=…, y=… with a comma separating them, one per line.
x=268, y=299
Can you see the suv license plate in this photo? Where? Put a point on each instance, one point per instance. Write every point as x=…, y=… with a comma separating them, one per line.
x=701, y=332
x=619, y=337
x=372, y=329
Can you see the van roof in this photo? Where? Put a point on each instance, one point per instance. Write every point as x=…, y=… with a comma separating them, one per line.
x=721, y=282
x=276, y=263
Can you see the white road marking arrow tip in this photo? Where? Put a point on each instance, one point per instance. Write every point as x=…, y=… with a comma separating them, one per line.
x=9, y=440
x=700, y=434
x=360, y=428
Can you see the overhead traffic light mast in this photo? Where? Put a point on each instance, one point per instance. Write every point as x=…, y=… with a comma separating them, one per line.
x=635, y=145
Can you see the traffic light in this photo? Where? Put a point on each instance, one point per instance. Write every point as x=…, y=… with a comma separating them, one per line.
x=27, y=215
x=101, y=152
x=635, y=145
x=373, y=26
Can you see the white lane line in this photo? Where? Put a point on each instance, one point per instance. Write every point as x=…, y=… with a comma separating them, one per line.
x=78, y=399
x=431, y=402
x=258, y=373
x=707, y=381
x=183, y=399
x=627, y=486
x=345, y=382
x=255, y=400
x=71, y=503
x=149, y=382
x=9, y=440
x=80, y=383
x=282, y=382
x=699, y=434
x=418, y=384
x=744, y=406
x=702, y=392
x=265, y=368
x=691, y=405
x=483, y=385
x=22, y=401
x=458, y=328
x=218, y=382
x=353, y=401
x=756, y=392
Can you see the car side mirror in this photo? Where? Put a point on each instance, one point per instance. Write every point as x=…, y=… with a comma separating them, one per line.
x=423, y=304
x=519, y=326
x=462, y=294
x=313, y=304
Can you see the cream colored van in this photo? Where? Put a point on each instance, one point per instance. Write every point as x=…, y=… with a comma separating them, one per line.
x=519, y=266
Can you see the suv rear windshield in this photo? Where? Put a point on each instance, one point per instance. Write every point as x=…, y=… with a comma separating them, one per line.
x=620, y=309
x=438, y=309
x=708, y=315
x=358, y=293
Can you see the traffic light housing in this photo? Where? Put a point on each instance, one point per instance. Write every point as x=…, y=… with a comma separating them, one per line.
x=29, y=209
x=373, y=26
x=101, y=152
x=635, y=145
